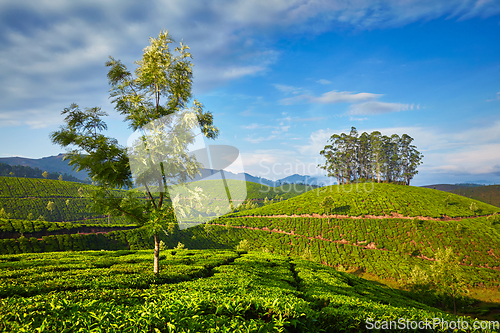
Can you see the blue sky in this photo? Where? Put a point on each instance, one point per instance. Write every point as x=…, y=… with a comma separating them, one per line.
x=279, y=77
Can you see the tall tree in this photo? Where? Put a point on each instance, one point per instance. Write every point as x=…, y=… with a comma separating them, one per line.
x=160, y=87
x=363, y=156
x=377, y=153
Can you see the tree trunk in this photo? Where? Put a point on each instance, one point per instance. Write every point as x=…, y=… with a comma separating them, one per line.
x=156, y=265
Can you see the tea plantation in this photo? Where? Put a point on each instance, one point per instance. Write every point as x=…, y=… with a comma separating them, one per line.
x=197, y=291
x=51, y=282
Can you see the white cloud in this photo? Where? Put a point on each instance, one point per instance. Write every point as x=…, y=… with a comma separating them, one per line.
x=253, y=126
x=375, y=107
x=237, y=72
x=332, y=97
x=259, y=139
x=317, y=142
x=323, y=81
x=344, y=97
x=287, y=89
x=276, y=163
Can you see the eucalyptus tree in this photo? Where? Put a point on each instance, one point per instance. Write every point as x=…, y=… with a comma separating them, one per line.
x=353, y=157
x=160, y=86
x=363, y=156
x=377, y=153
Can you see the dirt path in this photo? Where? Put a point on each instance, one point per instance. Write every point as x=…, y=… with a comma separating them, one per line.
x=386, y=216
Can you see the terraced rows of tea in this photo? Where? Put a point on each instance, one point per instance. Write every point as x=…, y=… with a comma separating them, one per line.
x=20, y=197
x=388, y=247
x=197, y=291
x=377, y=199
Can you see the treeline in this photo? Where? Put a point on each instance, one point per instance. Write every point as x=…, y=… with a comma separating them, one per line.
x=353, y=157
x=7, y=170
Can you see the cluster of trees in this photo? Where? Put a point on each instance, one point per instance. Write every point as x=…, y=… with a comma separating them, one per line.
x=7, y=170
x=353, y=157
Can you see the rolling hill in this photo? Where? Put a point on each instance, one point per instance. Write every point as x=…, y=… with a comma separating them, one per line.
x=20, y=197
x=380, y=200
x=489, y=194
x=385, y=233
x=50, y=163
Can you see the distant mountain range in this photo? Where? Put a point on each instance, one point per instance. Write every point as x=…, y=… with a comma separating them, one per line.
x=49, y=164
x=293, y=179
x=56, y=164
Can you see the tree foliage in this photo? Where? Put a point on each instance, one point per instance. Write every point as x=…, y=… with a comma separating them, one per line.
x=353, y=157
x=160, y=86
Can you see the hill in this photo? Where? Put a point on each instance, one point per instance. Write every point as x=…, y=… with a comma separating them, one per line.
x=20, y=197
x=197, y=291
x=50, y=164
x=383, y=233
x=489, y=193
x=379, y=200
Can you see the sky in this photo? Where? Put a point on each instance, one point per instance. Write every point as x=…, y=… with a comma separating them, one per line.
x=280, y=77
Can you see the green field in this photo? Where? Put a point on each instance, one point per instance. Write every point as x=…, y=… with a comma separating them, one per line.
x=197, y=291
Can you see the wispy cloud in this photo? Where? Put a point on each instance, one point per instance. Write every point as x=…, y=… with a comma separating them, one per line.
x=254, y=126
x=361, y=103
x=374, y=108
x=256, y=140
x=323, y=81
x=494, y=99
x=52, y=53
x=332, y=97
x=288, y=89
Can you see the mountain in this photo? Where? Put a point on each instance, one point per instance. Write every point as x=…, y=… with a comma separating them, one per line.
x=50, y=164
x=307, y=180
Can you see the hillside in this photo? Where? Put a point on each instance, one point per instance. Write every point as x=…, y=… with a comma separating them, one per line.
x=50, y=163
x=197, y=291
x=378, y=200
x=20, y=197
x=489, y=194
x=388, y=244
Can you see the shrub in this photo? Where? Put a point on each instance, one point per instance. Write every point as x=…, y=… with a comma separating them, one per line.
x=244, y=245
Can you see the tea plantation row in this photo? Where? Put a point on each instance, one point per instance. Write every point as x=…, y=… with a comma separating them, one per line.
x=197, y=291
